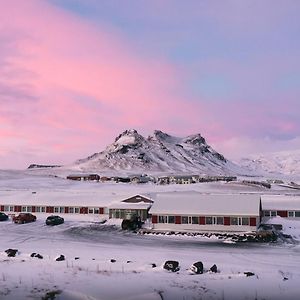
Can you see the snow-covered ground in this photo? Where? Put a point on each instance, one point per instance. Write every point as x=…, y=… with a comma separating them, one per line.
x=103, y=262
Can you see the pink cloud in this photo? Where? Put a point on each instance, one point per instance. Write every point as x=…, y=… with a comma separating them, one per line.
x=84, y=84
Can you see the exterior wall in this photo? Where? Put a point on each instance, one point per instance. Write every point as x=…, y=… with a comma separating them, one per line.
x=289, y=214
x=178, y=223
x=51, y=209
x=201, y=228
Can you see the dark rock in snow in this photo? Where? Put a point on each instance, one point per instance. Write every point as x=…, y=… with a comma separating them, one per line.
x=214, y=269
x=153, y=265
x=11, y=252
x=172, y=265
x=112, y=260
x=248, y=274
x=76, y=258
x=60, y=258
x=37, y=255
x=197, y=267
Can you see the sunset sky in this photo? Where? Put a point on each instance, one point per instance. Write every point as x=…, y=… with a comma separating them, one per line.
x=76, y=73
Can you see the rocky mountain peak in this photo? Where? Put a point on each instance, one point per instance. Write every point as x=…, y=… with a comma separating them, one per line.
x=128, y=139
x=195, y=139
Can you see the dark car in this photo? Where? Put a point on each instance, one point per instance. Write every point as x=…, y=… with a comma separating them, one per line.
x=54, y=220
x=3, y=216
x=23, y=218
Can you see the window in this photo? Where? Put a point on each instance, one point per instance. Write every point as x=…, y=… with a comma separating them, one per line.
x=195, y=220
x=297, y=214
x=11, y=208
x=23, y=209
x=6, y=208
x=267, y=213
x=208, y=220
x=38, y=209
x=291, y=214
x=273, y=213
x=91, y=210
x=29, y=208
x=71, y=210
x=56, y=210
x=234, y=221
x=245, y=221
x=219, y=220
x=171, y=219
x=76, y=209
x=43, y=209
x=96, y=211
x=162, y=219
x=189, y=220
x=62, y=210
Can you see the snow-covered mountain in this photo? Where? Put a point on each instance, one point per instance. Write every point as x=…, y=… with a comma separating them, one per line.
x=285, y=162
x=159, y=152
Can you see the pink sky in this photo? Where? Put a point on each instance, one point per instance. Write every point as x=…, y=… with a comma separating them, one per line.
x=68, y=86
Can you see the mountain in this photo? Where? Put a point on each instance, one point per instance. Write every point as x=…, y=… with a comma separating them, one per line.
x=160, y=152
x=284, y=162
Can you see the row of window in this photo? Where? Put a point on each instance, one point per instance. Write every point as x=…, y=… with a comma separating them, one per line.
x=56, y=209
x=211, y=220
x=290, y=214
x=124, y=213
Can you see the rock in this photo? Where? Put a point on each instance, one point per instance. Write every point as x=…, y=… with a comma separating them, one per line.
x=60, y=258
x=11, y=252
x=36, y=255
x=248, y=274
x=129, y=261
x=197, y=267
x=214, y=269
x=153, y=265
x=172, y=265
x=76, y=258
x=112, y=260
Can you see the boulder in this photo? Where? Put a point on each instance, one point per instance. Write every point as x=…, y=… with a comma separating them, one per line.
x=112, y=260
x=37, y=255
x=248, y=274
x=197, y=267
x=11, y=252
x=60, y=258
x=172, y=265
x=214, y=269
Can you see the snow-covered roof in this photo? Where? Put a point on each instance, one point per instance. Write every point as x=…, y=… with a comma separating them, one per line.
x=194, y=203
x=59, y=198
x=280, y=202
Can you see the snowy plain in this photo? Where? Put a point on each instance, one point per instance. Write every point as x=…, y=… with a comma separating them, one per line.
x=103, y=262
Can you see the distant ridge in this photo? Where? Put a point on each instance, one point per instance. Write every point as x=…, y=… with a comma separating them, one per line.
x=36, y=166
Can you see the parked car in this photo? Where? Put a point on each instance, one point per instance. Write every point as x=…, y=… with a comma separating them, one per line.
x=3, y=216
x=54, y=220
x=23, y=218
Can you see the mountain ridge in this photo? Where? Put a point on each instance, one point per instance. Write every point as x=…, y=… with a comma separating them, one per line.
x=159, y=152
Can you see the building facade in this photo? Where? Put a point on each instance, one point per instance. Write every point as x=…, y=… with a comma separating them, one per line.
x=206, y=212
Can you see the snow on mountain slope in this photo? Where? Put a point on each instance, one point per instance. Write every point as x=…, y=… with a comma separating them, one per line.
x=285, y=162
x=159, y=152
